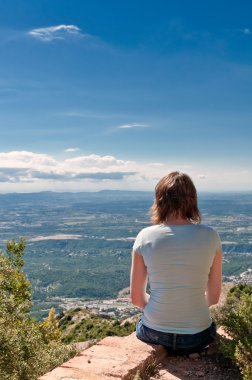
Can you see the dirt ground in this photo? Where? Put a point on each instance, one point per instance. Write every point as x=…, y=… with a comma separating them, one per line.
x=209, y=365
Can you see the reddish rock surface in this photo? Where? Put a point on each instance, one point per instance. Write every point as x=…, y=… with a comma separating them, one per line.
x=112, y=358
x=122, y=357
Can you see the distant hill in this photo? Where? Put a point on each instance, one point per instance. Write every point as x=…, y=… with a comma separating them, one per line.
x=50, y=195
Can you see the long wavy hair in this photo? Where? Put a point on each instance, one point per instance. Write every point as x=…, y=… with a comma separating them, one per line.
x=175, y=196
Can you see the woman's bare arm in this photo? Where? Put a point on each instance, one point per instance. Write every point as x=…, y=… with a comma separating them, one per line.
x=214, y=280
x=138, y=281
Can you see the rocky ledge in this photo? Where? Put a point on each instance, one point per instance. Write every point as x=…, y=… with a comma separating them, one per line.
x=112, y=358
x=128, y=358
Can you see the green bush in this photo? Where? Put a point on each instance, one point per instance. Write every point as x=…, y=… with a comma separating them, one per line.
x=236, y=318
x=28, y=348
x=92, y=327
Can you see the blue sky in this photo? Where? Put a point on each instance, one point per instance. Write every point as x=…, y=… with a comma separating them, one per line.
x=113, y=94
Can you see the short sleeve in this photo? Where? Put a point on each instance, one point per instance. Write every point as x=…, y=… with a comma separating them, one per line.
x=138, y=244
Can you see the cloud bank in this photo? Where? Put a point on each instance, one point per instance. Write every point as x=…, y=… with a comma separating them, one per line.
x=23, y=171
x=23, y=166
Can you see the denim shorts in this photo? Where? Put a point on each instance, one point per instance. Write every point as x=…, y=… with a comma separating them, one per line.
x=178, y=344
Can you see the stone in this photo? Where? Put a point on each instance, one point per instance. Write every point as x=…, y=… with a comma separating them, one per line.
x=72, y=374
x=112, y=358
x=80, y=346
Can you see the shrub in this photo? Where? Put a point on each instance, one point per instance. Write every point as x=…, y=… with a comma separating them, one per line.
x=28, y=348
x=93, y=327
x=236, y=318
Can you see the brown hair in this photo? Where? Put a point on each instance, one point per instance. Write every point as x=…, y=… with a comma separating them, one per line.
x=175, y=195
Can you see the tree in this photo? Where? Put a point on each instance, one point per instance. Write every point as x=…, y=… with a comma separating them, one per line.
x=28, y=348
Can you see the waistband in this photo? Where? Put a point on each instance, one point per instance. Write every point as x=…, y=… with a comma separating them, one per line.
x=203, y=333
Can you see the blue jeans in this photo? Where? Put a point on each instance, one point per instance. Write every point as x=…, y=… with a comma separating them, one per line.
x=179, y=344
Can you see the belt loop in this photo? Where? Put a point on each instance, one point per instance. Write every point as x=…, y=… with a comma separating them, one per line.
x=174, y=341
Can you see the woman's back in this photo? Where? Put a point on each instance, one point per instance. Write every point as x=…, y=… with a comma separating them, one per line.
x=178, y=260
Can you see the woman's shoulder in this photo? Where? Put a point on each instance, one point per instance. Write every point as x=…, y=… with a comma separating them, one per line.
x=149, y=229
x=208, y=231
x=206, y=227
x=142, y=237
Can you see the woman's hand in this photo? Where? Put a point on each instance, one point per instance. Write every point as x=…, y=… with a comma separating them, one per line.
x=138, y=281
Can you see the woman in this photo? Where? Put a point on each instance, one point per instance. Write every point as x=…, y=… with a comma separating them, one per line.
x=183, y=261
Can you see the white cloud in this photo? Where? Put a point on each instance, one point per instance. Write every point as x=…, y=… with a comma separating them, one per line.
x=96, y=162
x=133, y=125
x=57, y=32
x=70, y=150
x=29, y=171
x=23, y=166
x=24, y=159
x=247, y=31
x=23, y=171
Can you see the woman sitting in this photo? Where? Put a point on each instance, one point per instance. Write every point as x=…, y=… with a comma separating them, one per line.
x=183, y=261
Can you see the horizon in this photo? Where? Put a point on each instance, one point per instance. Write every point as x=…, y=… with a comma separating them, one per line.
x=227, y=192
x=98, y=95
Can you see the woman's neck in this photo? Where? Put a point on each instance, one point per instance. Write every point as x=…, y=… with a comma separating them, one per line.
x=176, y=221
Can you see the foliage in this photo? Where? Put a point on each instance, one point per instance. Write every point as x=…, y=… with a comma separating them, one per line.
x=12, y=279
x=88, y=326
x=49, y=328
x=28, y=348
x=236, y=318
x=149, y=372
x=137, y=376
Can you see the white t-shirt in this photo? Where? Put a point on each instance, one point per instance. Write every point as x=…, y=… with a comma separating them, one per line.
x=178, y=260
